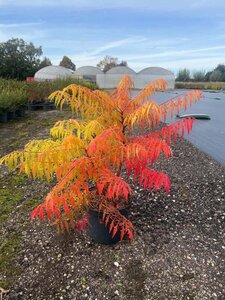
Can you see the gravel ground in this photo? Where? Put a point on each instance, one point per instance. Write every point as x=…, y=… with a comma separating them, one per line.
x=178, y=251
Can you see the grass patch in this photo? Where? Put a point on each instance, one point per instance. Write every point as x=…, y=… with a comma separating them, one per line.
x=8, y=251
x=10, y=197
x=10, y=194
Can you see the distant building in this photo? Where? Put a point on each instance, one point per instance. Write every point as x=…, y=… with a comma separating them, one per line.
x=53, y=72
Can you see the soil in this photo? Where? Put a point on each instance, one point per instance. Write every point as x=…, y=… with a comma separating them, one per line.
x=178, y=251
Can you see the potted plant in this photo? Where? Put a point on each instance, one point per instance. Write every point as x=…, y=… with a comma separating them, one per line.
x=92, y=158
x=3, y=107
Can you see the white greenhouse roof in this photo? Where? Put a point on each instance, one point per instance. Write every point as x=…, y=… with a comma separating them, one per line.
x=155, y=71
x=53, y=72
x=88, y=70
x=121, y=70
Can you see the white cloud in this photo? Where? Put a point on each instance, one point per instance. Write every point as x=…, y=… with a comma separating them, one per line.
x=29, y=31
x=19, y=25
x=177, y=53
x=206, y=63
x=118, y=44
x=206, y=57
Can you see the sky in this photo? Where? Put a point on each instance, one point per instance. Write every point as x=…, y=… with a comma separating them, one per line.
x=171, y=34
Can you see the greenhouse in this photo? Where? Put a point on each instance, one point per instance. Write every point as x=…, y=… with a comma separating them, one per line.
x=53, y=72
x=87, y=73
x=110, y=79
x=152, y=73
x=113, y=76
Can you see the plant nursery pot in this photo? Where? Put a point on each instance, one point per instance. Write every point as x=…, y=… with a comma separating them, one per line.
x=30, y=107
x=98, y=231
x=48, y=106
x=20, y=112
x=3, y=118
x=11, y=115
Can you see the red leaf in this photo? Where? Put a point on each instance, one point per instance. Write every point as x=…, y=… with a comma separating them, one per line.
x=130, y=234
x=107, y=220
x=66, y=209
x=122, y=233
x=115, y=229
x=100, y=186
x=34, y=214
x=41, y=213
x=111, y=226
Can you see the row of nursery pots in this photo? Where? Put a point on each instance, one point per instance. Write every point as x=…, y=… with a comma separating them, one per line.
x=20, y=112
x=10, y=115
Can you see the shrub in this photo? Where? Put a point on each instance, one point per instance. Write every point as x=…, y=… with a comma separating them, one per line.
x=93, y=152
x=200, y=85
x=10, y=84
x=39, y=91
x=12, y=99
x=60, y=84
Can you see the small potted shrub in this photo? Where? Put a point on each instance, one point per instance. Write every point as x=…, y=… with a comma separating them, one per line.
x=37, y=93
x=21, y=100
x=4, y=106
x=12, y=102
x=92, y=158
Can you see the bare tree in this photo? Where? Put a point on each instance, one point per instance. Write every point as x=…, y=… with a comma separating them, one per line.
x=67, y=63
x=109, y=62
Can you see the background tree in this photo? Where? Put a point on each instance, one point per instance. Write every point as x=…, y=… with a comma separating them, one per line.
x=123, y=63
x=207, y=76
x=44, y=63
x=216, y=76
x=198, y=76
x=18, y=59
x=221, y=69
x=183, y=75
x=66, y=62
x=109, y=62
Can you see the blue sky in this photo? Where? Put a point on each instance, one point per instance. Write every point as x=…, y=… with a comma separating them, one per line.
x=172, y=34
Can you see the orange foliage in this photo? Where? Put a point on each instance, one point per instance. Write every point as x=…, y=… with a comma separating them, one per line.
x=95, y=151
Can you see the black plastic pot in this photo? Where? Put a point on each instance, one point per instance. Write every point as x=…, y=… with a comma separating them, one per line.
x=11, y=115
x=20, y=112
x=99, y=232
x=3, y=118
x=30, y=107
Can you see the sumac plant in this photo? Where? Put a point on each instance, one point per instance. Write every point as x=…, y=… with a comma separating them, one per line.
x=91, y=157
